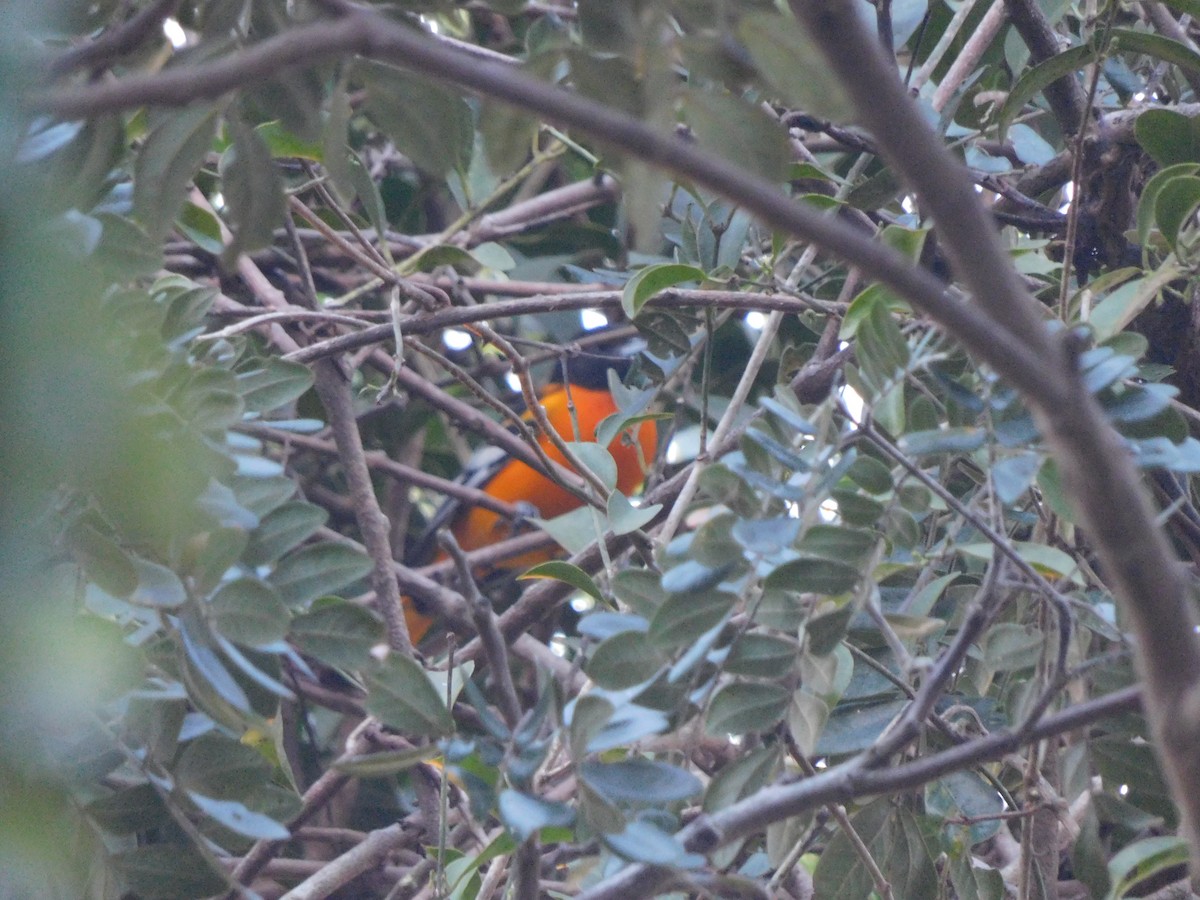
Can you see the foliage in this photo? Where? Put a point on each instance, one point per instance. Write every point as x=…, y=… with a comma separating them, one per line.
x=853, y=618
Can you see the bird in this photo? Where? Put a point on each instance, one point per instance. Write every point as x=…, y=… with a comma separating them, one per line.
x=515, y=482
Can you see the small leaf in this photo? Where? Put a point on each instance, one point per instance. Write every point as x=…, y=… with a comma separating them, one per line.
x=761, y=655
x=649, y=281
x=524, y=816
x=1139, y=861
x=624, y=517
x=624, y=660
x=644, y=843
x=385, y=763
x=558, y=570
x=401, y=695
x=157, y=586
x=746, y=706
x=817, y=576
x=965, y=795
x=239, y=819
x=684, y=617
x=1037, y=78
x=854, y=728
x=640, y=782
x=277, y=383
x=1175, y=206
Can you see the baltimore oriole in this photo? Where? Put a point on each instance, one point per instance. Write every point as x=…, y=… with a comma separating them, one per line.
x=516, y=483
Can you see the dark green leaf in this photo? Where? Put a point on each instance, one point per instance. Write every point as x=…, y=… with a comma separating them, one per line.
x=316, y=570
x=684, y=617
x=219, y=766
x=167, y=872
x=385, y=763
x=1175, y=205
x=278, y=382
x=761, y=655
x=174, y=149
x=401, y=695
x=430, y=124
x=1168, y=136
x=253, y=192
x=746, y=706
x=1140, y=861
x=283, y=528
x=624, y=660
x=855, y=727
x=740, y=131
x=817, y=576
x=965, y=795
x=1036, y=78
x=249, y=611
x=849, y=546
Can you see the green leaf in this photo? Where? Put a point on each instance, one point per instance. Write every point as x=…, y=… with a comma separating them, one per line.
x=958, y=440
x=128, y=811
x=817, y=576
x=762, y=656
x=684, y=617
x=1037, y=78
x=239, y=819
x=852, y=728
x=1175, y=205
x=524, y=816
x=640, y=782
x=897, y=844
x=794, y=66
x=249, y=611
x=850, y=546
x=219, y=766
x=640, y=589
x=573, y=531
x=125, y=250
x=163, y=170
x=965, y=795
x=201, y=227
x=740, y=131
x=624, y=517
x=1144, y=859
x=558, y=570
x=746, y=706
x=167, y=872
x=649, y=281
x=624, y=660
x=1168, y=136
x=283, y=528
x=644, y=843
x=385, y=763
x=157, y=586
x=401, y=695
x=597, y=459
x=430, y=124
x=277, y=383
x=316, y=570
x=1125, y=40
x=338, y=633
x=253, y=192
x=1049, y=561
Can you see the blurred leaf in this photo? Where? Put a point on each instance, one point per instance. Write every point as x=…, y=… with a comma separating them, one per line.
x=167, y=872
x=640, y=782
x=283, y=528
x=762, y=656
x=852, y=728
x=238, y=818
x=684, y=617
x=385, y=763
x=965, y=795
x=276, y=383
x=740, y=131
x=817, y=576
x=1141, y=860
x=624, y=517
x=430, y=124
x=163, y=170
x=525, y=816
x=644, y=843
x=785, y=54
x=253, y=192
x=897, y=843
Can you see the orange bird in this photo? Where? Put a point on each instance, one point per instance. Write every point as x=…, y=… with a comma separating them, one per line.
x=517, y=483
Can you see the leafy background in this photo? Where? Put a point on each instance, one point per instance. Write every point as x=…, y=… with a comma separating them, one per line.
x=206, y=685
